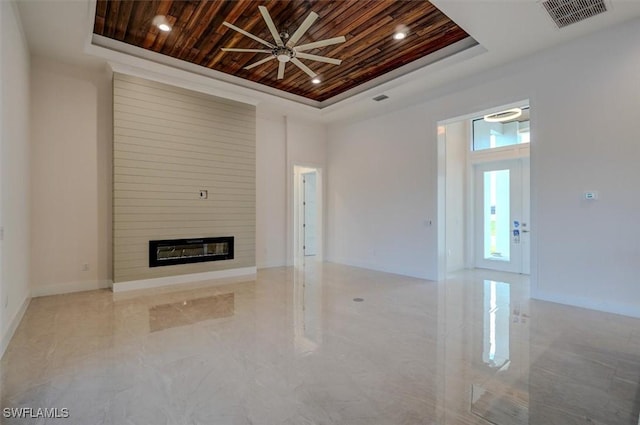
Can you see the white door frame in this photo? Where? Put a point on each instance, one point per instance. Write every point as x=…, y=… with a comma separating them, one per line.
x=295, y=240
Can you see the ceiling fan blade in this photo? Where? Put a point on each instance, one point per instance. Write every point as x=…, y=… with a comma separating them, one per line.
x=311, y=18
x=229, y=49
x=303, y=67
x=243, y=32
x=321, y=43
x=281, y=70
x=260, y=62
x=319, y=58
x=270, y=25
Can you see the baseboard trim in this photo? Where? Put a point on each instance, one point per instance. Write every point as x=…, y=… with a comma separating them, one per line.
x=269, y=265
x=418, y=274
x=6, y=339
x=134, y=285
x=606, y=307
x=66, y=288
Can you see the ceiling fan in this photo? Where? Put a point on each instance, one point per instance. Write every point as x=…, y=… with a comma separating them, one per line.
x=285, y=49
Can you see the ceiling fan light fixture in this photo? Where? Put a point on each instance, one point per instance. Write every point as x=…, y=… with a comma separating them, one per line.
x=162, y=23
x=283, y=54
x=508, y=115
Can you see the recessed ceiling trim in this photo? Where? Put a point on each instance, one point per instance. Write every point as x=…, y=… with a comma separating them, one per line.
x=366, y=51
x=444, y=53
x=138, y=52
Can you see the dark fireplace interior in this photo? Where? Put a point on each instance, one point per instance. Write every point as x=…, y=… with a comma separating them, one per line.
x=170, y=252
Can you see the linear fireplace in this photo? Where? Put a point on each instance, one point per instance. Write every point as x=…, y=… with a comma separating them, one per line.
x=183, y=251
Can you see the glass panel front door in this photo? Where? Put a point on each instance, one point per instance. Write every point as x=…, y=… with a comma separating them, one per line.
x=499, y=228
x=496, y=211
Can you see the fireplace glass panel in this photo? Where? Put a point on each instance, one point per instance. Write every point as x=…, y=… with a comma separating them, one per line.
x=180, y=251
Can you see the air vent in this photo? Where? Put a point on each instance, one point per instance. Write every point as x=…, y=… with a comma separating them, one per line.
x=567, y=12
x=381, y=97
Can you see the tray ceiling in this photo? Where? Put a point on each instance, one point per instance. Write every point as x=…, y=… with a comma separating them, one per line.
x=370, y=51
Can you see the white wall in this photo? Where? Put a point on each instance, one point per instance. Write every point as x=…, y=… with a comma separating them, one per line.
x=281, y=142
x=584, y=99
x=71, y=177
x=306, y=142
x=306, y=145
x=457, y=145
x=270, y=190
x=381, y=194
x=53, y=116
x=14, y=171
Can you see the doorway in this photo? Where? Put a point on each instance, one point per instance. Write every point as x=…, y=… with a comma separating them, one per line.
x=484, y=191
x=307, y=215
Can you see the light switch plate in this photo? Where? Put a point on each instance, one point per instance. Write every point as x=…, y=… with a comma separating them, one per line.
x=591, y=196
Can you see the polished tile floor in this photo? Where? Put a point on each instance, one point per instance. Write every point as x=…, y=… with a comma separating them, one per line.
x=294, y=348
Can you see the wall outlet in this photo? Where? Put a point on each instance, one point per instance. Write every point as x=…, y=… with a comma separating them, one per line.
x=85, y=267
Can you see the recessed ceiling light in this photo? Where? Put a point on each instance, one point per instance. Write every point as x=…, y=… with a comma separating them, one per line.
x=161, y=22
x=401, y=32
x=316, y=80
x=508, y=115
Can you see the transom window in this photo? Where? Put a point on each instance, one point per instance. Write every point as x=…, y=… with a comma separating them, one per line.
x=501, y=129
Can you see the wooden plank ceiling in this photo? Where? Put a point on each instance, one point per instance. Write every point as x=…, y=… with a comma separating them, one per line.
x=368, y=25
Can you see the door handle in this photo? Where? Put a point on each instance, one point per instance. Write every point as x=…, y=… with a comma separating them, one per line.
x=525, y=231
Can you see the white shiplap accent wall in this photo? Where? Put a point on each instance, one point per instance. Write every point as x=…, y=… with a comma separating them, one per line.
x=170, y=143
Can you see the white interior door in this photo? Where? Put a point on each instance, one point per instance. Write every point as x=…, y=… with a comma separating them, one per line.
x=501, y=223
x=309, y=226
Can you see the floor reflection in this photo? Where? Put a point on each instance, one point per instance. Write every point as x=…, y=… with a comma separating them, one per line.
x=496, y=323
x=190, y=311
x=521, y=361
x=294, y=348
x=585, y=367
x=307, y=313
x=485, y=350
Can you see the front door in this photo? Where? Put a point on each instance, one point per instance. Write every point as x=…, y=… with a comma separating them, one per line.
x=502, y=228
